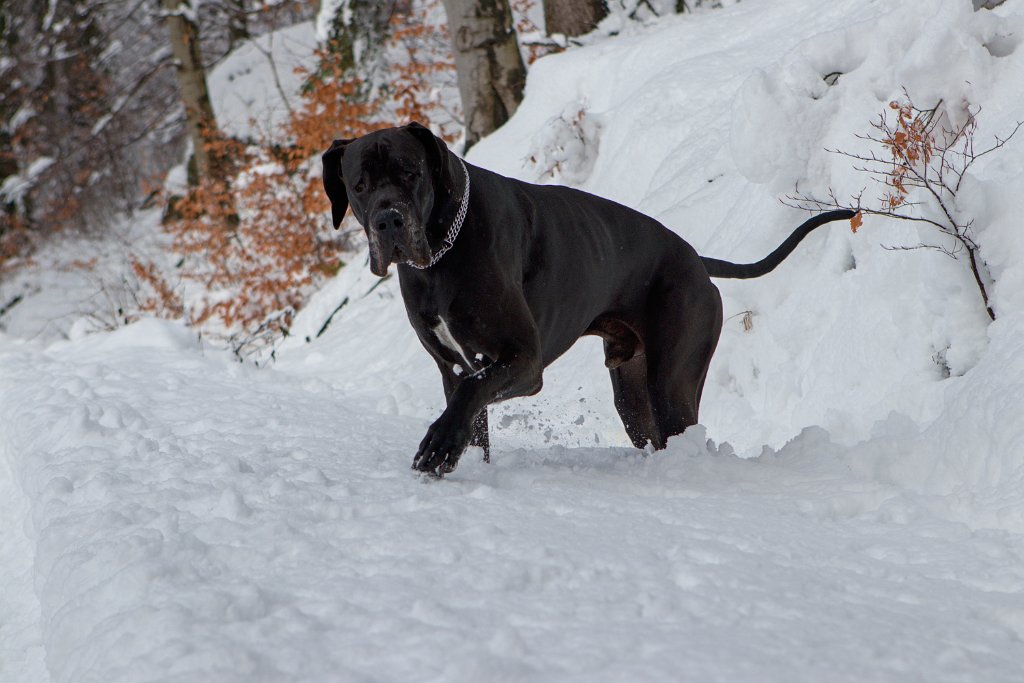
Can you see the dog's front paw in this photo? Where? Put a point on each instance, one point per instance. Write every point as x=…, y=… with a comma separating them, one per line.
x=441, y=448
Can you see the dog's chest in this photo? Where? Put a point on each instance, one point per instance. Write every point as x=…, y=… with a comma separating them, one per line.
x=452, y=333
x=460, y=353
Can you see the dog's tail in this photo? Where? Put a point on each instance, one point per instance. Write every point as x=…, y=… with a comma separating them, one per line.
x=717, y=268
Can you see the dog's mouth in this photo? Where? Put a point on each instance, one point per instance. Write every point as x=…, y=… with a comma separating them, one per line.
x=398, y=255
x=378, y=263
x=384, y=252
x=419, y=259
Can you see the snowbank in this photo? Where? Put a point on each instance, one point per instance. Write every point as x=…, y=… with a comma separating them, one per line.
x=706, y=123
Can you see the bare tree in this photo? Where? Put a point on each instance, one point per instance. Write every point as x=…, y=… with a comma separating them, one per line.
x=58, y=97
x=359, y=33
x=926, y=158
x=490, y=69
x=573, y=17
x=183, y=28
x=90, y=108
x=238, y=23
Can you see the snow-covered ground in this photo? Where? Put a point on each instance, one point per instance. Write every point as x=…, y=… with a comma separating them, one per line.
x=846, y=512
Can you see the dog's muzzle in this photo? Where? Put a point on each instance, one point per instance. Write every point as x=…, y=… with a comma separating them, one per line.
x=394, y=237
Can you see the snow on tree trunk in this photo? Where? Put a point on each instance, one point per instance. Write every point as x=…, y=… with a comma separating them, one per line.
x=490, y=69
x=181, y=20
x=573, y=17
x=238, y=23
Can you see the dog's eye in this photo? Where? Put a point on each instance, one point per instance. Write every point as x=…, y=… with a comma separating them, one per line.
x=360, y=186
x=410, y=175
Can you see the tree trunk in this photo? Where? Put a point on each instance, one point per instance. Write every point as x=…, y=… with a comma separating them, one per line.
x=238, y=23
x=202, y=125
x=358, y=35
x=573, y=17
x=490, y=69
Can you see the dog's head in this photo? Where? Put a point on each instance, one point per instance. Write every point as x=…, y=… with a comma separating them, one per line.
x=396, y=180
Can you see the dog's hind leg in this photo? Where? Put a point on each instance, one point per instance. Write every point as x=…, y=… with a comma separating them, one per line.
x=481, y=436
x=633, y=401
x=680, y=345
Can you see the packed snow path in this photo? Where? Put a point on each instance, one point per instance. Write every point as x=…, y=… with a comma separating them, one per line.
x=195, y=519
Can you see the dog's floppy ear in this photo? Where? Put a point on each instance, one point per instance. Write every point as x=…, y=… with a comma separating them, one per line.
x=437, y=154
x=333, y=184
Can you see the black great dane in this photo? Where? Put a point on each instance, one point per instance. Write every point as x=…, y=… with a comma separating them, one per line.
x=501, y=277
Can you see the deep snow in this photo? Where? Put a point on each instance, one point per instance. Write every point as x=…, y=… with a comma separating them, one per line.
x=170, y=514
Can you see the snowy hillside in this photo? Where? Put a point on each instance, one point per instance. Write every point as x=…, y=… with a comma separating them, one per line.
x=256, y=85
x=850, y=509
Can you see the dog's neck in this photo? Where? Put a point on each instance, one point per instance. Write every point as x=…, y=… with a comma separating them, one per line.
x=451, y=215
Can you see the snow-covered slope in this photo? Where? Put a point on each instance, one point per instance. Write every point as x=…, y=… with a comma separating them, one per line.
x=256, y=87
x=183, y=517
x=708, y=122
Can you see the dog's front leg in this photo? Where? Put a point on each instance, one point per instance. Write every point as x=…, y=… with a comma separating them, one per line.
x=516, y=372
x=480, y=435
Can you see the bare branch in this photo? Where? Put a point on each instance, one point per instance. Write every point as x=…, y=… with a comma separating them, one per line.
x=922, y=155
x=948, y=252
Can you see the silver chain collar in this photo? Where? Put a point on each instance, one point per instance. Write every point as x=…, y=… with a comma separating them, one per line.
x=453, y=231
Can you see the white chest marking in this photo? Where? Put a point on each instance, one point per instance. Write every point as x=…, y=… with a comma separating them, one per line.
x=444, y=335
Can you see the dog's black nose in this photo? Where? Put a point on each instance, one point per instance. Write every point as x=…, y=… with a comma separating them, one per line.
x=388, y=219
